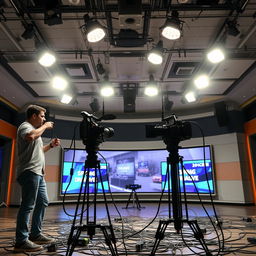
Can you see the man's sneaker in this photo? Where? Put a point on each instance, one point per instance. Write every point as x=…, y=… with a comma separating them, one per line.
x=41, y=239
x=27, y=246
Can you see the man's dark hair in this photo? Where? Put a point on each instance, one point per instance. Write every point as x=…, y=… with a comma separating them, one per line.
x=34, y=109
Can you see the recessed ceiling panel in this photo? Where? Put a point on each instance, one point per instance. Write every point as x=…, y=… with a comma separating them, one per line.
x=44, y=89
x=77, y=71
x=216, y=87
x=232, y=68
x=30, y=71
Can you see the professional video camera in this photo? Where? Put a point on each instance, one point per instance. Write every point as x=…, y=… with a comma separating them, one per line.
x=133, y=186
x=171, y=128
x=92, y=132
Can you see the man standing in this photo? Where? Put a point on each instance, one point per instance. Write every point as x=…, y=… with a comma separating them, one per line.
x=31, y=170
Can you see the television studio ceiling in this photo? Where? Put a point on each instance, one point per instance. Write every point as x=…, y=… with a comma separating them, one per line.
x=132, y=30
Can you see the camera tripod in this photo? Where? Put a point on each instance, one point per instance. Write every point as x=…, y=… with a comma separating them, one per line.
x=135, y=200
x=176, y=218
x=91, y=222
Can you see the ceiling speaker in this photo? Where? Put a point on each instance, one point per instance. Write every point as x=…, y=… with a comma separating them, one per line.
x=221, y=113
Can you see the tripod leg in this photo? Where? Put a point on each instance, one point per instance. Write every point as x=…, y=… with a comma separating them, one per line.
x=159, y=235
x=137, y=200
x=199, y=236
x=110, y=240
x=130, y=196
x=73, y=243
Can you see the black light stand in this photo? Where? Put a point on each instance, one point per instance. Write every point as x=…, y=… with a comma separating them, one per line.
x=133, y=197
x=177, y=217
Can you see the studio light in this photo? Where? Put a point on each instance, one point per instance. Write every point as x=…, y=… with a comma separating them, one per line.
x=95, y=105
x=155, y=56
x=101, y=70
x=201, y=81
x=46, y=59
x=172, y=27
x=107, y=91
x=66, y=98
x=59, y=83
x=29, y=32
x=52, y=14
x=232, y=28
x=94, y=31
x=151, y=89
x=216, y=55
x=190, y=96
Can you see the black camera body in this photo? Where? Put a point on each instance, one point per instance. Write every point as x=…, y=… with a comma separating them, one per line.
x=92, y=132
x=171, y=128
x=133, y=186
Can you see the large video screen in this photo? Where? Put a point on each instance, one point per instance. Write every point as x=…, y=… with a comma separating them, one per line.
x=71, y=184
x=146, y=168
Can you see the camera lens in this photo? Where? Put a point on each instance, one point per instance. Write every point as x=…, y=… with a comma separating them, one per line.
x=108, y=132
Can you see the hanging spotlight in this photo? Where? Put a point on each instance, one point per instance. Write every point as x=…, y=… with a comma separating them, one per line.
x=94, y=31
x=29, y=32
x=216, y=55
x=190, y=96
x=95, y=105
x=52, y=13
x=172, y=27
x=101, y=70
x=107, y=91
x=151, y=89
x=155, y=56
x=232, y=29
x=46, y=58
x=202, y=81
x=59, y=83
x=66, y=98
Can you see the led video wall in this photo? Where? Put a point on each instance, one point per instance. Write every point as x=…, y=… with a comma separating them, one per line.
x=144, y=167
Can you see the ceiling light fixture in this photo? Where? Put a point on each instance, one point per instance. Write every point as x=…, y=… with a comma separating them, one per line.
x=46, y=59
x=155, y=56
x=232, y=29
x=29, y=32
x=66, y=98
x=151, y=89
x=216, y=55
x=59, y=83
x=94, y=31
x=172, y=27
x=201, y=81
x=107, y=91
x=52, y=14
x=190, y=96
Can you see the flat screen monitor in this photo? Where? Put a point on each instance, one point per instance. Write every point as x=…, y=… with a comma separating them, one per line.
x=146, y=168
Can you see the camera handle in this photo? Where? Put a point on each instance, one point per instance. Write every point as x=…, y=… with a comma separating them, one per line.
x=84, y=199
x=176, y=218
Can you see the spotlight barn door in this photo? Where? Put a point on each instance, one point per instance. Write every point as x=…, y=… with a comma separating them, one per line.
x=221, y=113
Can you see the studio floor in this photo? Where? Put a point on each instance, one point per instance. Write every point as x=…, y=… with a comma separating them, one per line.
x=232, y=233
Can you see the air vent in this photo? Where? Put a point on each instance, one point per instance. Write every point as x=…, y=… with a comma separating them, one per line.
x=77, y=71
x=183, y=69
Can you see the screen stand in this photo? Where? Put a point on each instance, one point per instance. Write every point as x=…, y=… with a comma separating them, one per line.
x=135, y=200
x=176, y=218
x=90, y=208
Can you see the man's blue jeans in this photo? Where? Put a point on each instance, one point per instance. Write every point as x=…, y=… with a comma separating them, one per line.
x=34, y=196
